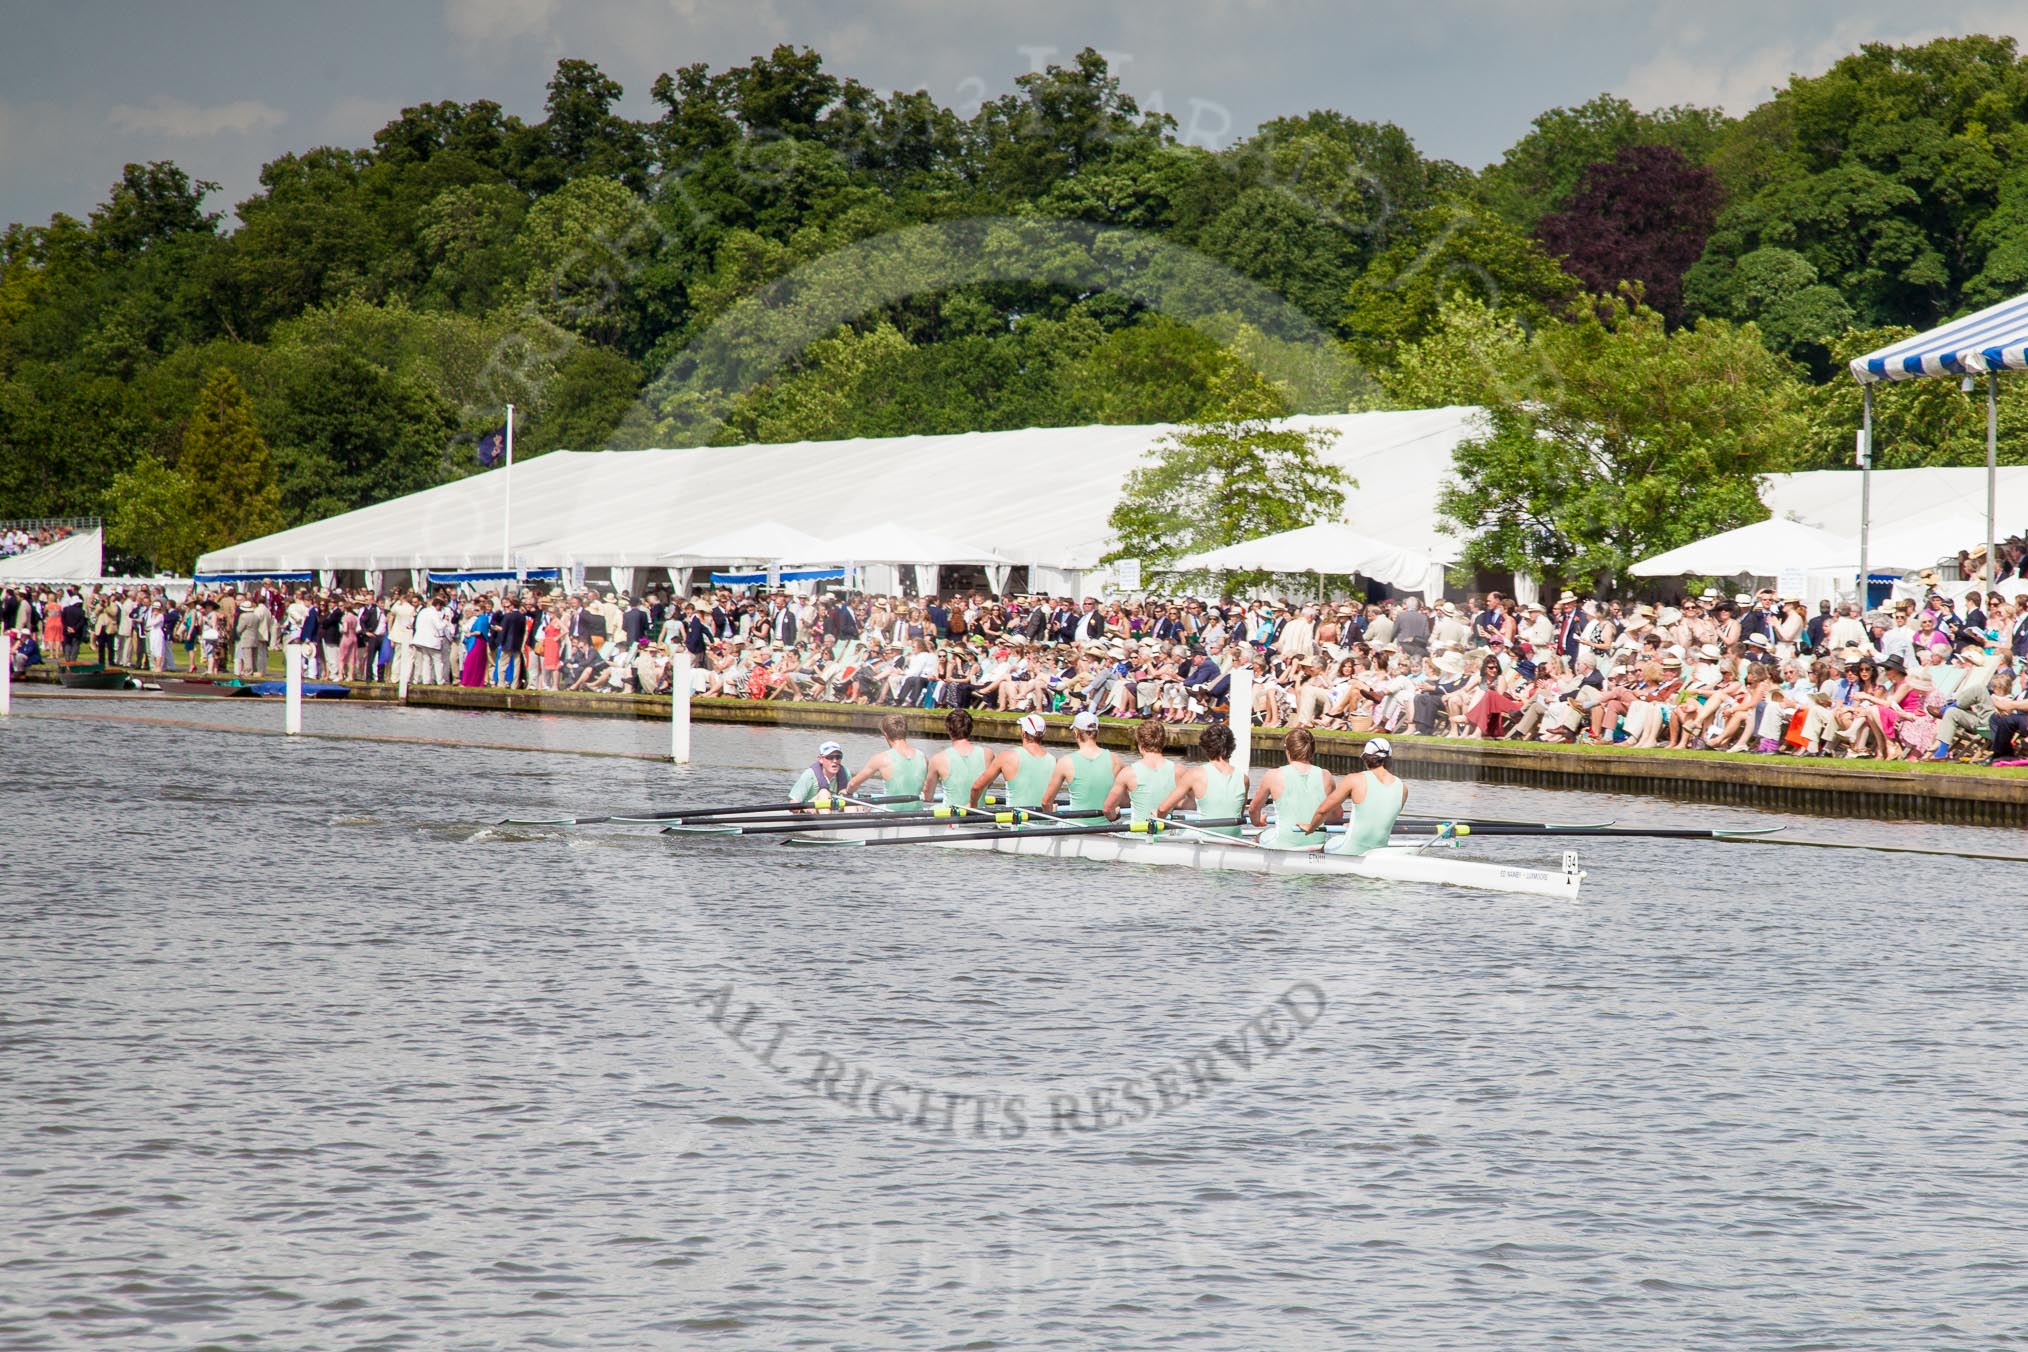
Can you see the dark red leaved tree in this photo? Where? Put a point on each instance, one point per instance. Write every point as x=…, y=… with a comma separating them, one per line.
x=1641, y=216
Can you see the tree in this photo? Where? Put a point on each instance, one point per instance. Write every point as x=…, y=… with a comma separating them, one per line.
x=1475, y=355
x=228, y=473
x=583, y=248
x=152, y=204
x=1642, y=216
x=152, y=516
x=1778, y=291
x=1538, y=173
x=1236, y=473
x=1452, y=251
x=1631, y=440
x=582, y=137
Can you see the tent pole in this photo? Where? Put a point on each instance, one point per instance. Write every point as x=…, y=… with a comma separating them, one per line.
x=1865, y=488
x=1992, y=471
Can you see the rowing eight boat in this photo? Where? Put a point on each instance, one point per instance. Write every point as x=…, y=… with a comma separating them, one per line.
x=1189, y=849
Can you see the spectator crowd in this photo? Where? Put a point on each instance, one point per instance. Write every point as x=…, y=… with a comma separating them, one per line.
x=19, y=539
x=1749, y=673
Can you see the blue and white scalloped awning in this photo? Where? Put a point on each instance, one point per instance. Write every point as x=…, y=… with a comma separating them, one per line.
x=1994, y=339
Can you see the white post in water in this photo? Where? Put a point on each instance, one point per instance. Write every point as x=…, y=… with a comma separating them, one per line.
x=679, y=708
x=404, y=658
x=507, y=500
x=6, y=673
x=292, y=702
x=1239, y=716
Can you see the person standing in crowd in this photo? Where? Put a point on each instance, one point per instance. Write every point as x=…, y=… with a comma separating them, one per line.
x=75, y=624
x=428, y=643
x=510, y=635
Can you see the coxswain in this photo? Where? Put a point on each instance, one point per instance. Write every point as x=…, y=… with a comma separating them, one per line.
x=1026, y=768
x=953, y=770
x=1376, y=795
x=825, y=776
x=901, y=768
x=1296, y=789
x=1088, y=770
x=1146, y=782
x=1218, y=786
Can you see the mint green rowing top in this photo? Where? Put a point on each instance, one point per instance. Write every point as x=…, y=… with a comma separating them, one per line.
x=1302, y=794
x=905, y=774
x=1030, y=778
x=1224, y=796
x=1151, y=786
x=1091, y=779
x=1372, y=821
x=965, y=769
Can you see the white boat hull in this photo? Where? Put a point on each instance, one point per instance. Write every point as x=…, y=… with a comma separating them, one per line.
x=1406, y=860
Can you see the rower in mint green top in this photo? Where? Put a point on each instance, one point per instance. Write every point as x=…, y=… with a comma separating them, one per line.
x=964, y=767
x=1224, y=796
x=1025, y=789
x=961, y=768
x=1091, y=778
x=1087, y=771
x=1217, y=785
x=1373, y=798
x=1301, y=795
x=901, y=768
x=1373, y=817
x=1143, y=786
x=905, y=775
x=1152, y=785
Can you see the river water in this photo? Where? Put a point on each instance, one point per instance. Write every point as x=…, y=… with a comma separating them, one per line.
x=303, y=1049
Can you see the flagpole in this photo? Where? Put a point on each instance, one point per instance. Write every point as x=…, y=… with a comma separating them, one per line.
x=507, y=500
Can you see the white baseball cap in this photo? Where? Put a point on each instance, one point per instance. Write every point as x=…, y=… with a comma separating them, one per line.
x=831, y=749
x=1086, y=721
x=1376, y=746
x=1033, y=725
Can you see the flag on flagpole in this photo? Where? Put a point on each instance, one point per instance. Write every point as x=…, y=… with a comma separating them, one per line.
x=492, y=448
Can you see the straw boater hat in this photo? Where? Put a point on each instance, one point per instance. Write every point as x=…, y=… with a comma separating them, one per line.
x=1567, y=598
x=1451, y=664
x=1710, y=652
x=1669, y=615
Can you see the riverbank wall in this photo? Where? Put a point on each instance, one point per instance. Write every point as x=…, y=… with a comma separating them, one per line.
x=1956, y=794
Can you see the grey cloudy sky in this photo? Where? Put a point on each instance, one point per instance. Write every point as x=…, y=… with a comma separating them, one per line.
x=221, y=86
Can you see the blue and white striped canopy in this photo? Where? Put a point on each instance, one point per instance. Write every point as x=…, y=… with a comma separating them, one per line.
x=1994, y=339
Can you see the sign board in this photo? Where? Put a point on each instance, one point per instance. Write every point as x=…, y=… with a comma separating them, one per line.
x=1127, y=574
x=1793, y=582
x=775, y=575
x=576, y=574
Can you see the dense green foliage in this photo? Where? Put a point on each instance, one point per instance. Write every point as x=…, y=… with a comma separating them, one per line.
x=1233, y=473
x=783, y=253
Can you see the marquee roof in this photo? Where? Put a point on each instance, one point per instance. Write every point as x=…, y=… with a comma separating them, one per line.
x=1039, y=496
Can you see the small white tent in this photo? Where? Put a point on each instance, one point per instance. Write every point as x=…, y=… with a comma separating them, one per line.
x=1764, y=549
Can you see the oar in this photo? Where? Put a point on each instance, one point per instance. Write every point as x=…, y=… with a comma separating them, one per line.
x=1153, y=827
x=1407, y=821
x=676, y=814
x=1618, y=832
x=870, y=821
